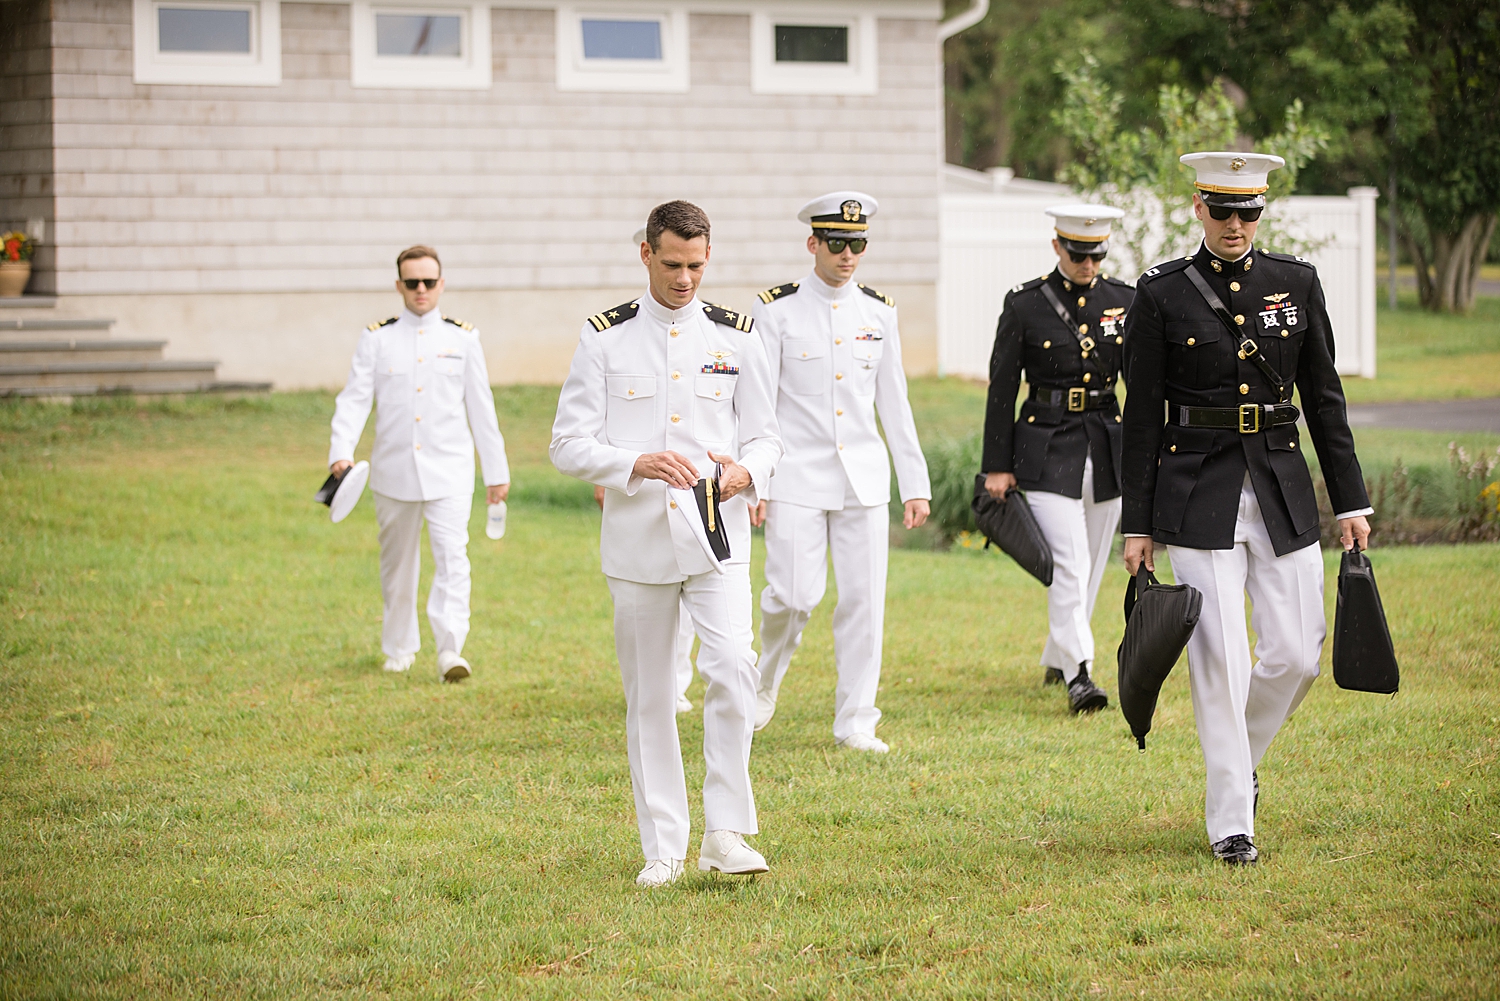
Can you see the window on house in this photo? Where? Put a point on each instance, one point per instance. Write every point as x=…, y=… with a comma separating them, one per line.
x=812, y=43
x=438, y=35
x=804, y=51
x=642, y=51
x=228, y=42
x=422, y=46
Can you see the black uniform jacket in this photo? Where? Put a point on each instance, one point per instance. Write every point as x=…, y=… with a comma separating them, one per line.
x=1182, y=484
x=1046, y=446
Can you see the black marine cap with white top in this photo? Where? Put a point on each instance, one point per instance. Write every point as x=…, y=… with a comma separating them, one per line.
x=1084, y=228
x=840, y=214
x=1232, y=180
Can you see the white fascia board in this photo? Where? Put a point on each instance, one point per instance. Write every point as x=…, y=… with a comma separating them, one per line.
x=907, y=10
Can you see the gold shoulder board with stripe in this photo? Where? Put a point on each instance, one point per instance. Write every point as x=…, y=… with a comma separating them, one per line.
x=728, y=317
x=382, y=323
x=610, y=317
x=460, y=324
x=770, y=295
x=867, y=290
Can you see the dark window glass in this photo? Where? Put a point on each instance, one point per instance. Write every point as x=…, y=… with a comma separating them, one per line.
x=807, y=43
x=418, y=35
x=621, y=39
x=197, y=29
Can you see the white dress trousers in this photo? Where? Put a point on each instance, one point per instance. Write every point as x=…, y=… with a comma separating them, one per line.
x=1080, y=532
x=798, y=541
x=685, y=637
x=646, y=636
x=1238, y=705
x=401, y=566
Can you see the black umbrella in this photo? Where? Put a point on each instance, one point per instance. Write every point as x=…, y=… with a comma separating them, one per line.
x=1010, y=525
x=1364, y=659
x=1159, y=619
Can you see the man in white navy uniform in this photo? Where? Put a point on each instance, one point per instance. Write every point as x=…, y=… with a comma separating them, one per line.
x=835, y=354
x=1221, y=337
x=427, y=376
x=661, y=390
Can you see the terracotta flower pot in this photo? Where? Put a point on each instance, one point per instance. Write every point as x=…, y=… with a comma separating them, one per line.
x=13, y=278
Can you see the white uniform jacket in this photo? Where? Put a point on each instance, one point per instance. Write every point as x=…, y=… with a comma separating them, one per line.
x=428, y=378
x=835, y=356
x=647, y=379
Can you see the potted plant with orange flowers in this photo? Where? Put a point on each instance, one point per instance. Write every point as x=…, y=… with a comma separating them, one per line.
x=16, y=249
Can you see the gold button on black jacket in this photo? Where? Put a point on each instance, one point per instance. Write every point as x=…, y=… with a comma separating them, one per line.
x=1045, y=447
x=1182, y=484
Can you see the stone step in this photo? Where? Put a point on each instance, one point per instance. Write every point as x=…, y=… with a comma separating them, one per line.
x=48, y=328
x=67, y=377
x=51, y=352
x=127, y=389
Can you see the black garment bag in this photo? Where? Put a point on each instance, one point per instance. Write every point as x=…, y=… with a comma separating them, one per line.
x=707, y=493
x=1364, y=659
x=1159, y=619
x=1010, y=525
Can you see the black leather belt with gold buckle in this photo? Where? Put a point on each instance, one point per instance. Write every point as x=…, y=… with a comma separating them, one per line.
x=1075, y=398
x=1249, y=418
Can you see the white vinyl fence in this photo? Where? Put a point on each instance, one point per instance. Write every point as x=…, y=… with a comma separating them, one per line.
x=995, y=239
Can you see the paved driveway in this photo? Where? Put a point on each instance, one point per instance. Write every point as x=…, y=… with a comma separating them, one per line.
x=1429, y=415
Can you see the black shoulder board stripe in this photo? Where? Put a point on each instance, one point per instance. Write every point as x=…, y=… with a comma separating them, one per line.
x=603, y=321
x=1166, y=269
x=770, y=295
x=728, y=317
x=460, y=324
x=1027, y=286
x=382, y=323
x=1289, y=258
x=867, y=290
x=1118, y=281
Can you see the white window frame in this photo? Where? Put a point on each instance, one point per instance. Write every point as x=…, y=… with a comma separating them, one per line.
x=858, y=76
x=473, y=70
x=260, y=67
x=629, y=76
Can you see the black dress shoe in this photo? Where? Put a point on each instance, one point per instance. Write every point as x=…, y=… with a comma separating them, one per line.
x=1054, y=676
x=1236, y=849
x=1083, y=695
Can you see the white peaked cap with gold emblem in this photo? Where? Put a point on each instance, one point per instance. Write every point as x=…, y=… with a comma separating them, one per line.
x=1085, y=228
x=1233, y=180
x=840, y=213
x=640, y=236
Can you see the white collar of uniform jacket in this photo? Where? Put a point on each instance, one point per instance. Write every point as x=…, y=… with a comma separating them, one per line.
x=814, y=283
x=431, y=318
x=657, y=311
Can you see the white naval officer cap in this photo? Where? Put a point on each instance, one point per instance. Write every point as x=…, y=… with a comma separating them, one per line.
x=1233, y=180
x=640, y=236
x=1084, y=228
x=840, y=214
x=342, y=493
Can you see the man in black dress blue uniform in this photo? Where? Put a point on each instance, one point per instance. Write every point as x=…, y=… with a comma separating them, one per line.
x=1065, y=330
x=1217, y=341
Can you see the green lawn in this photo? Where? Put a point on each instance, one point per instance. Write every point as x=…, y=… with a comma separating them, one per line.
x=1428, y=356
x=210, y=789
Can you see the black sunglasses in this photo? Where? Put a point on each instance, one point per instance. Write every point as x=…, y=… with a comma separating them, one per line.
x=1080, y=258
x=412, y=283
x=837, y=246
x=1222, y=212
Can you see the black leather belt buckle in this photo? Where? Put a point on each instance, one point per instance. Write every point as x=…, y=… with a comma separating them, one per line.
x=1249, y=418
x=1077, y=398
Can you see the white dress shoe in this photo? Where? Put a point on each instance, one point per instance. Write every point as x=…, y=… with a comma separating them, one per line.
x=684, y=704
x=399, y=665
x=660, y=872
x=765, y=708
x=865, y=742
x=452, y=667
x=726, y=851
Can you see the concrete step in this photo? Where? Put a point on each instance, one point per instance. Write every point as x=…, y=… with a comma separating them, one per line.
x=52, y=352
x=49, y=328
x=106, y=376
x=182, y=388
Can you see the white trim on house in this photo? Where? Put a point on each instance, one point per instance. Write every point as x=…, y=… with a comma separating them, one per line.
x=667, y=75
x=857, y=76
x=259, y=67
x=472, y=69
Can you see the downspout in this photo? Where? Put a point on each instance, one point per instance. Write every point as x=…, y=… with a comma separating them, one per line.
x=965, y=21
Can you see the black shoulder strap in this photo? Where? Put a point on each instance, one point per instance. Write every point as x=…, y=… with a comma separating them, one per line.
x=1248, y=348
x=1084, y=340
